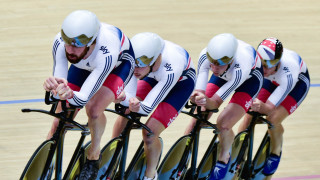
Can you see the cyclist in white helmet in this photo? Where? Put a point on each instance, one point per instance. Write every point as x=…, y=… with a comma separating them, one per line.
x=234, y=72
x=163, y=81
x=286, y=84
x=102, y=62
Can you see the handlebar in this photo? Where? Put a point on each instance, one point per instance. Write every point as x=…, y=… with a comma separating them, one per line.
x=200, y=115
x=259, y=119
x=132, y=116
x=65, y=115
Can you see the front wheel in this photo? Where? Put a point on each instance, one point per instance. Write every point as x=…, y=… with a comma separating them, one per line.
x=111, y=154
x=208, y=163
x=35, y=165
x=138, y=164
x=76, y=169
x=261, y=157
x=175, y=163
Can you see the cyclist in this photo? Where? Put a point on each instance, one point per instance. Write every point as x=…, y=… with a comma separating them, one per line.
x=102, y=62
x=234, y=69
x=166, y=80
x=286, y=84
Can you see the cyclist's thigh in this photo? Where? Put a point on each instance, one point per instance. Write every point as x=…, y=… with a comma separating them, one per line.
x=144, y=87
x=100, y=101
x=248, y=90
x=168, y=110
x=119, y=77
x=297, y=95
x=214, y=85
x=76, y=77
x=267, y=88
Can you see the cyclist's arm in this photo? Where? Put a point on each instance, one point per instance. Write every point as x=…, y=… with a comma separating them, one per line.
x=166, y=82
x=130, y=91
x=203, y=72
x=286, y=83
x=263, y=108
x=60, y=62
x=214, y=102
x=94, y=81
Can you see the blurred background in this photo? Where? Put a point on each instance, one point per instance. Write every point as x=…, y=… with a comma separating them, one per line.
x=27, y=30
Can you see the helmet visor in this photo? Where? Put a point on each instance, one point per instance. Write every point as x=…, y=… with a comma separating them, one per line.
x=143, y=61
x=79, y=41
x=270, y=63
x=219, y=62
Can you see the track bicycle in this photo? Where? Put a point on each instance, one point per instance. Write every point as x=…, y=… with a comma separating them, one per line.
x=114, y=153
x=175, y=163
x=47, y=159
x=242, y=165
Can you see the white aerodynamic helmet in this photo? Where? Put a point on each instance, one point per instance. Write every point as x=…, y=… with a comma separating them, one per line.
x=221, y=49
x=80, y=28
x=147, y=47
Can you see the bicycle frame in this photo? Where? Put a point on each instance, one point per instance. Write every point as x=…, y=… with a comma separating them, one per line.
x=57, y=141
x=247, y=171
x=191, y=143
x=119, y=156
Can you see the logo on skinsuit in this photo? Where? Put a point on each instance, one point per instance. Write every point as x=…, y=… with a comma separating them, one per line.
x=172, y=119
x=104, y=49
x=120, y=89
x=293, y=108
x=248, y=104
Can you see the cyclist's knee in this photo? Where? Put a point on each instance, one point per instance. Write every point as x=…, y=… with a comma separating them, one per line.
x=93, y=112
x=223, y=125
x=148, y=140
x=277, y=129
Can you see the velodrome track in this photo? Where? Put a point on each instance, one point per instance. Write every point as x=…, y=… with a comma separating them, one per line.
x=28, y=27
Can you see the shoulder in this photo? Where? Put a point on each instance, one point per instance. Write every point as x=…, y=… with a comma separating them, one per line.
x=245, y=50
x=173, y=53
x=110, y=30
x=202, y=56
x=58, y=38
x=290, y=60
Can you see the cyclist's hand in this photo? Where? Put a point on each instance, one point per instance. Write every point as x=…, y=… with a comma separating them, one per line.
x=51, y=84
x=200, y=99
x=134, y=104
x=194, y=94
x=120, y=98
x=64, y=91
x=256, y=105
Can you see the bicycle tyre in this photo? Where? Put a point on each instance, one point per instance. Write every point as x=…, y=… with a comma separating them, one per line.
x=36, y=163
x=170, y=163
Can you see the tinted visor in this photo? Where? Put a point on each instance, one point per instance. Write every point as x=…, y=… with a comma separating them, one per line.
x=219, y=62
x=79, y=41
x=270, y=63
x=143, y=61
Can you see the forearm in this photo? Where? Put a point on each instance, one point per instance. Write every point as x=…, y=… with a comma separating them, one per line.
x=213, y=102
x=267, y=108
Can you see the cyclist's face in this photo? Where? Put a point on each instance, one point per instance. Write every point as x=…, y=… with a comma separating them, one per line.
x=141, y=72
x=268, y=71
x=218, y=70
x=75, y=54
